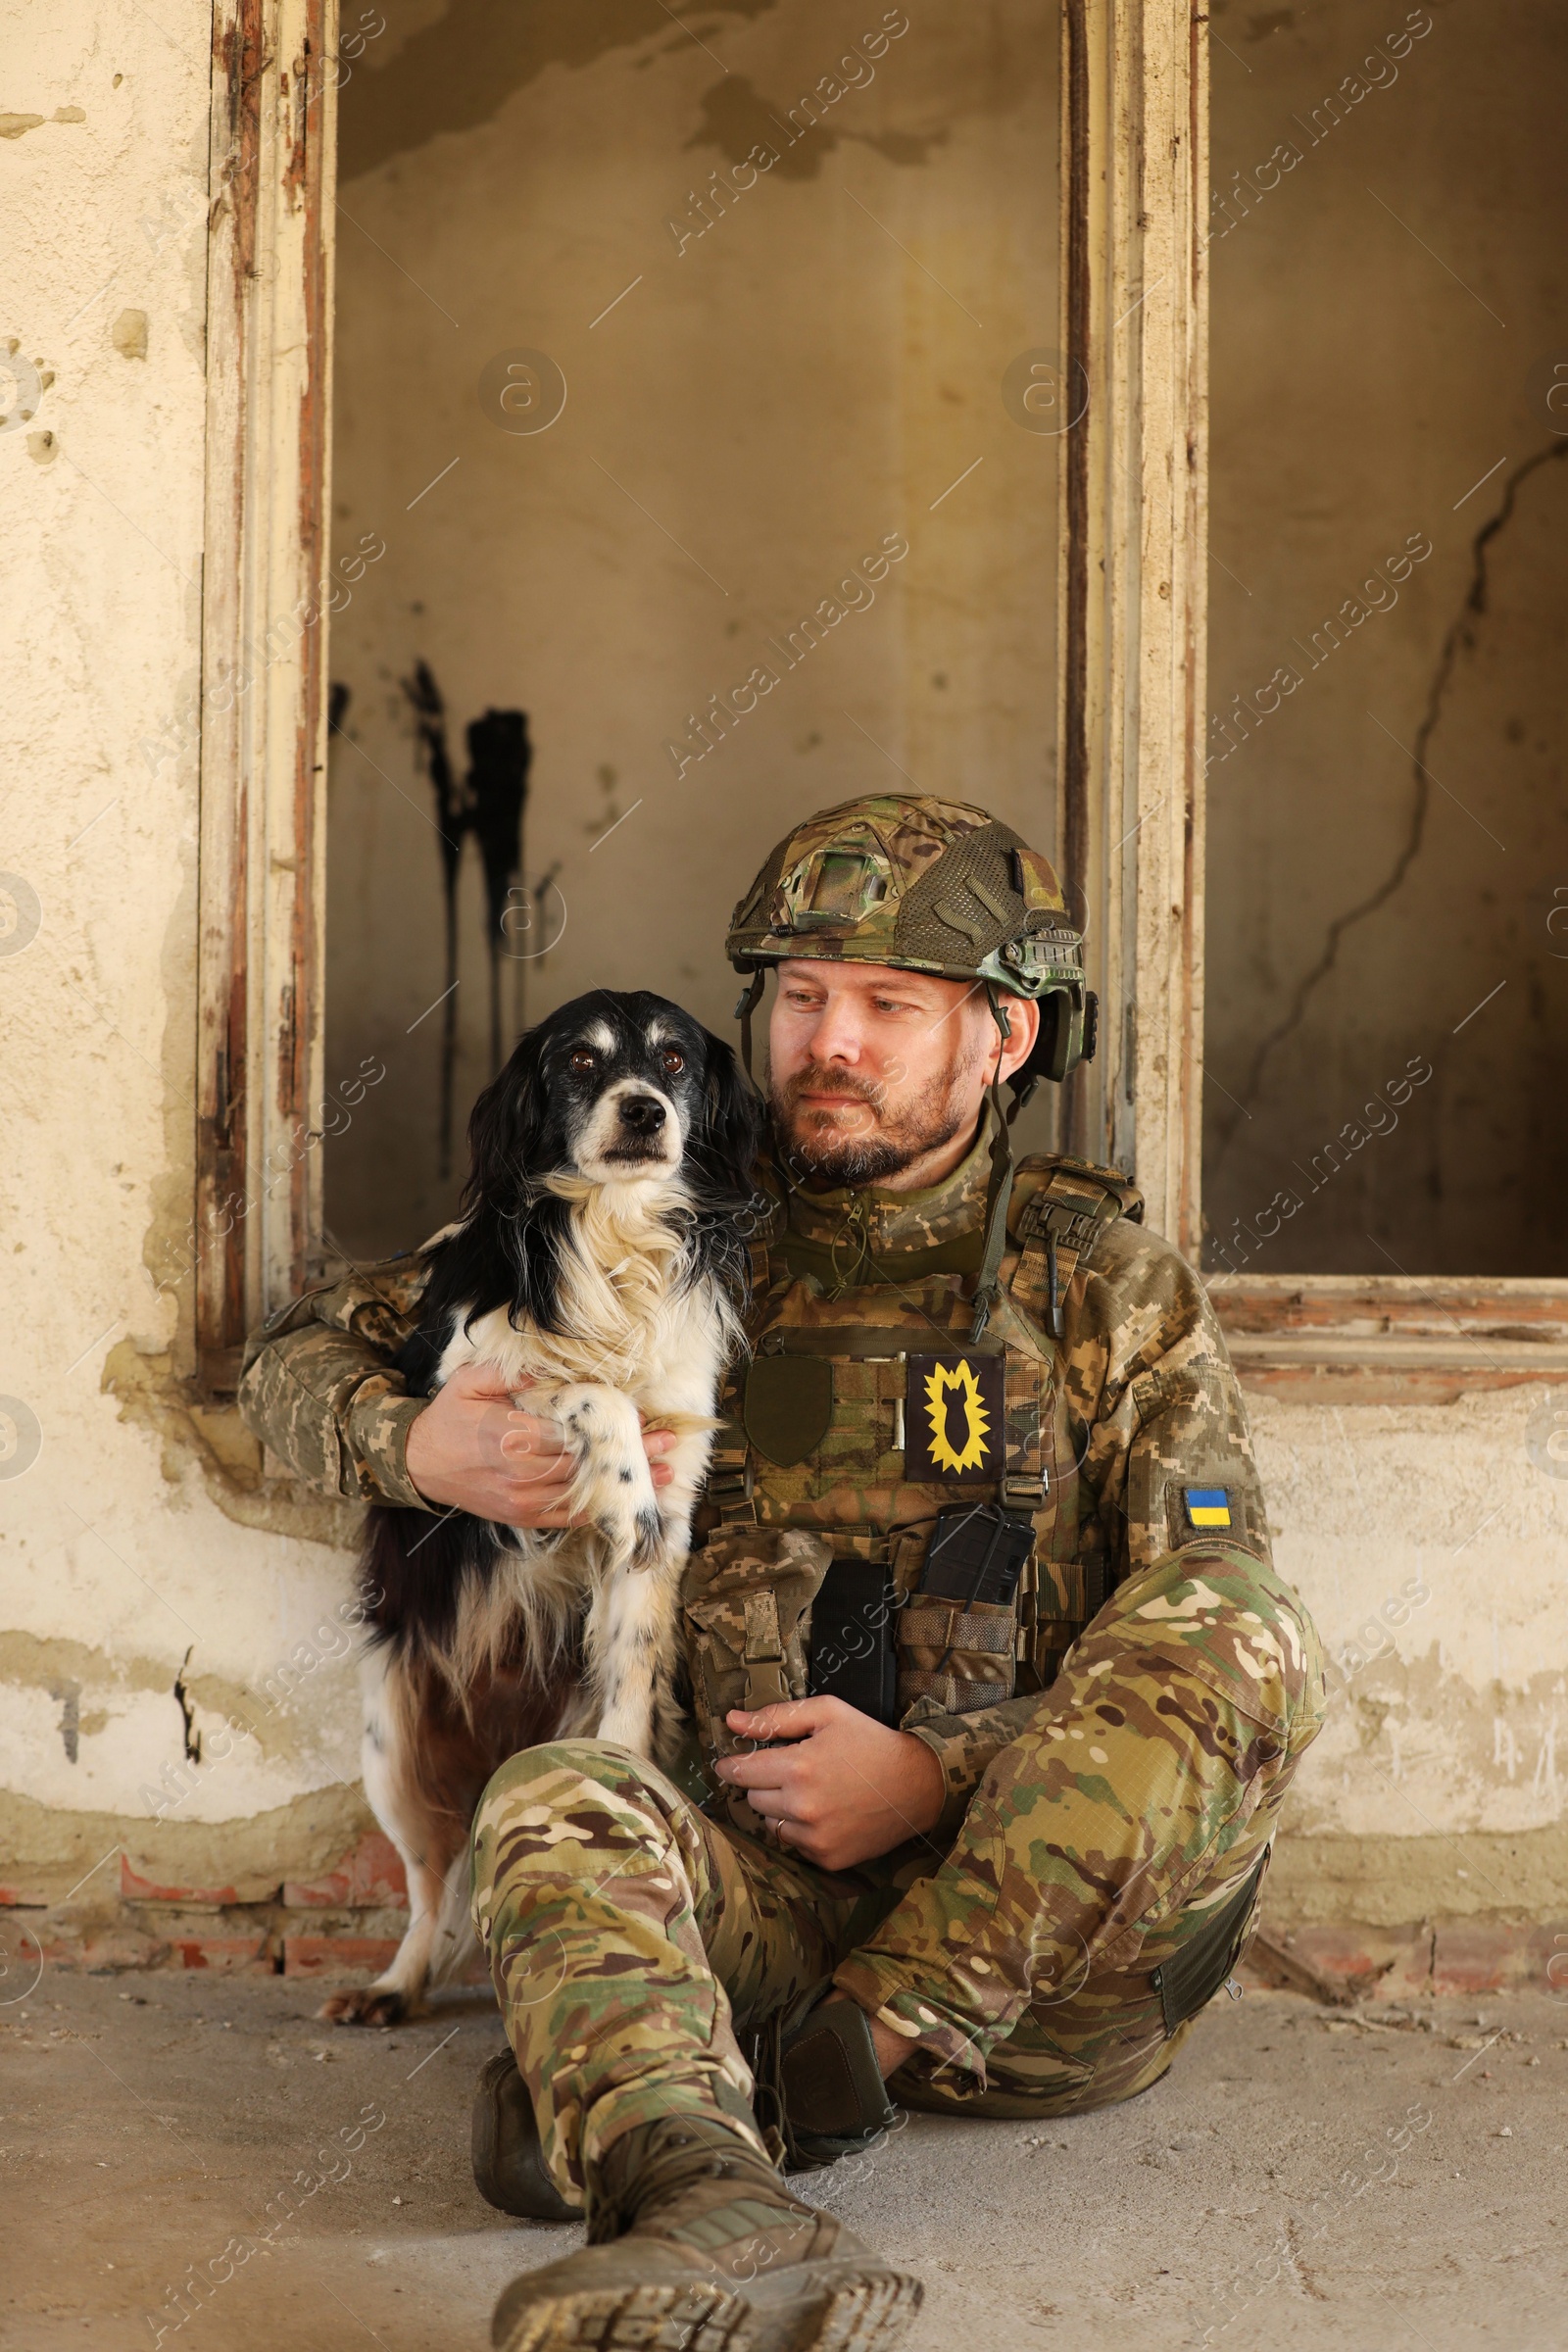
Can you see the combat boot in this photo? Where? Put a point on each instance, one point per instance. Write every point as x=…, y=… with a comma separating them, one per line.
x=508, y=2164
x=692, y=2238
x=819, y=2082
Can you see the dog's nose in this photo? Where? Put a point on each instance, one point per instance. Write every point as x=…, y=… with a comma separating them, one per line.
x=642, y=1113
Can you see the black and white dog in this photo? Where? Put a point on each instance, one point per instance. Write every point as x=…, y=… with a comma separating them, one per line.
x=600, y=1266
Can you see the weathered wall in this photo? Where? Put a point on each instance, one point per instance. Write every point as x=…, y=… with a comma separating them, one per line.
x=767, y=402
x=1433, y=1550
x=141, y=1545
x=1379, y=390
x=135, y=1531
x=1389, y=290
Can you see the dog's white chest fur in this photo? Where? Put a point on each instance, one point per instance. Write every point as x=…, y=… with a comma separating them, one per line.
x=640, y=1339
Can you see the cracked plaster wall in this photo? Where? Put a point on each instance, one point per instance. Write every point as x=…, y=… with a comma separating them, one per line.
x=1428, y=1546
x=775, y=395
x=144, y=1533
x=145, y=1545
x=1384, y=320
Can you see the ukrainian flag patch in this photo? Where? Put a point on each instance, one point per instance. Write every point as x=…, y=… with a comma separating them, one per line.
x=1208, y=1506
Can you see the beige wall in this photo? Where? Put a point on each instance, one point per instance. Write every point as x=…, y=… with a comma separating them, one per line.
x=770, y=404
x=1432, y=1549
x=1384, y=316
x=1359, y=391
x=144, y=1539
x=140, y=1534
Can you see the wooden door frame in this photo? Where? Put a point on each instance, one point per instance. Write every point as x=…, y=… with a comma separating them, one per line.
x=1133, y=531
x=1134, y=536
x=1133, y=589
x=261, y=896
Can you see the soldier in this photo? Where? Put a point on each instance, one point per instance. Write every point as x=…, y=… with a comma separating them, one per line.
x=996, y=1690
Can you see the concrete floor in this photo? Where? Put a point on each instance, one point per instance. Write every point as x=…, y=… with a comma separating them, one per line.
x=1235, y=2204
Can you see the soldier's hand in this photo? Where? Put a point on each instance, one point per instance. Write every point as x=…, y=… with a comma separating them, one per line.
x=845, y=1790
x=474, y=1450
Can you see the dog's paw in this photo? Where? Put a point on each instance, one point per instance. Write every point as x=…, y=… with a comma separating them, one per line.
x=636, y=1543
x=649, y=1539
x=614, y=1487
x=365, y=2005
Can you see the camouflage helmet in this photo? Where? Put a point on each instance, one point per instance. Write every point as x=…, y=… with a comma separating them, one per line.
x=924, y=885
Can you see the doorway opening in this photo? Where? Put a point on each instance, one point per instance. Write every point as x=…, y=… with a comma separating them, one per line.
x=1387, y=982
x=710, y=488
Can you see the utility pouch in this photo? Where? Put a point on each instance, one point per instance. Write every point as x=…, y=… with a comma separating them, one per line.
x=957, y=1633
x=1189, y=1982
x=852, y=1656
x=746, y=1603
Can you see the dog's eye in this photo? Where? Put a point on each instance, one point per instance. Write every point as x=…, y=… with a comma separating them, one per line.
x=672, y=1061
x=582, y=1059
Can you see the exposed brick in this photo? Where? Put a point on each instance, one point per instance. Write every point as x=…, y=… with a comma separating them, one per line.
x=102, y=1947
x=1445, y=1956
x=1481, y=1957
x=319, y=1955
x=230, y=1955
x=138, y=1890
x=369, y=1877
x=1386, y=1962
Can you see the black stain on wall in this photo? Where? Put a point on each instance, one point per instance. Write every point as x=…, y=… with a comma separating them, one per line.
x=487, y=802
x=70, y=1697
x=458, y=72
x=188, y=1713
x=500, y=756
x=737, y=120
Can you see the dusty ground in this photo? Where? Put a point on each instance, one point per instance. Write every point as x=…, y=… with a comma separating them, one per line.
x=1261, y=2194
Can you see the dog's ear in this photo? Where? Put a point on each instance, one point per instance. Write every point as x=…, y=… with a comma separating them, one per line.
x=508, y=1128
x=732, y=1120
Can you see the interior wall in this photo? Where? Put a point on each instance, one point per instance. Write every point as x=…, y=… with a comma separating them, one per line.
x=1430, y=1541
x=158, y=1592
x=783, y=398
x=1388, y=824
x=178, y=1702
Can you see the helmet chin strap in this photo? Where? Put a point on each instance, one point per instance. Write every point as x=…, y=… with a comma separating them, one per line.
x=744, y=1010
x=987, y=1290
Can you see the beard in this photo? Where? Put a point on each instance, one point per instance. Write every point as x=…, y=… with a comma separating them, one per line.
x=842, y=1146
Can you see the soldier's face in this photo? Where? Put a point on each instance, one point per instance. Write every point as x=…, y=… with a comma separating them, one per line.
x=876, y=1073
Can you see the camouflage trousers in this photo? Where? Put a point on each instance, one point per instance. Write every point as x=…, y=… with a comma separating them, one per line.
x=630, y=1938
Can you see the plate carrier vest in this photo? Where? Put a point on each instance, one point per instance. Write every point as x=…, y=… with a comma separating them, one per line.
x=847, y=1393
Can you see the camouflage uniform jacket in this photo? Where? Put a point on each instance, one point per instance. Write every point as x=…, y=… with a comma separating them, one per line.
x=862, y=1410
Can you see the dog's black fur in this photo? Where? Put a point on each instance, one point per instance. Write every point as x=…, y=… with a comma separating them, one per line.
x=632, y=1099
x=506, y=1252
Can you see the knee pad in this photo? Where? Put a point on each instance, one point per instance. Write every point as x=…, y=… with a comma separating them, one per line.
x=524, y=1777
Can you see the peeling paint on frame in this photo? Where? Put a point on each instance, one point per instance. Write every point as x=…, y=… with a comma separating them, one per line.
x=259, y=1027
